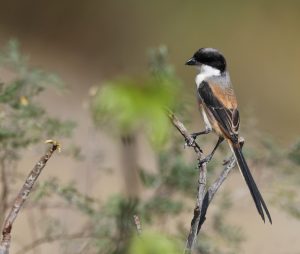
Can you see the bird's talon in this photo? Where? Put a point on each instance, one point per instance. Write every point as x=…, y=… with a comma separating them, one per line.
x=189, y=143
x=193, y=136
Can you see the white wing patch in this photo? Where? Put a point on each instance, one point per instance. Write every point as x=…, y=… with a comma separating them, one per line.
x=208, y=126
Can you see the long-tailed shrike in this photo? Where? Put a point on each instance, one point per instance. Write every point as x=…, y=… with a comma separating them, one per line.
x=218, y=105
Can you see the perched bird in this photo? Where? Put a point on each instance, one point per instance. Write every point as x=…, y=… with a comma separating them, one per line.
x=218, y=105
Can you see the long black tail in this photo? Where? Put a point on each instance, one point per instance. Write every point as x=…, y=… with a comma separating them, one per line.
x=258, y=200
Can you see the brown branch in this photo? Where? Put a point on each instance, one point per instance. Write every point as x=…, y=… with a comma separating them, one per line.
x=22, y=197
x=203, y=197
x=209, y=195
x=201, y=182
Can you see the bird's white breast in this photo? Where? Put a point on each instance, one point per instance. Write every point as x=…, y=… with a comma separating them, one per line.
x=206, y=72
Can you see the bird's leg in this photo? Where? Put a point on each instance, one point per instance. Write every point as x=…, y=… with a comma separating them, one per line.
x=209, y=157
x=194, y=135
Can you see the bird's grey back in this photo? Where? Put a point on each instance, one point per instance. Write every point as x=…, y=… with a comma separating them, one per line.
x=223, y=80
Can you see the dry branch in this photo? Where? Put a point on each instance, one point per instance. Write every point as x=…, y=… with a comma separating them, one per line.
x=209, y=195
x=22, y=197
x=203, y=197
x=201, y=182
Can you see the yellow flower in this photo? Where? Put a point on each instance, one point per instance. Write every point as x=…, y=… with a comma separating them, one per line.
x=24, y=101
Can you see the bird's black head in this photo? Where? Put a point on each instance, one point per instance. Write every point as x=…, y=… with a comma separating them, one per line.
x=210, y=57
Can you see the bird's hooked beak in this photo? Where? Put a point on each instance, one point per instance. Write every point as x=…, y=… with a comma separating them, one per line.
x=191, y=61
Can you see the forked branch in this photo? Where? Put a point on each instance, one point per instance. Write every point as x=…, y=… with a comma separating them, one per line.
x=204, y=196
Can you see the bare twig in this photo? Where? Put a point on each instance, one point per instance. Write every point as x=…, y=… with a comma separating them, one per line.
x=203, y=201
x=137, y=224
x=198, y=211
x=209, y=195
x=201, y=182
x=22, y=197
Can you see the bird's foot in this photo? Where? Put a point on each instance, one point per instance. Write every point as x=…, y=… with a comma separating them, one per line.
x=189, y=143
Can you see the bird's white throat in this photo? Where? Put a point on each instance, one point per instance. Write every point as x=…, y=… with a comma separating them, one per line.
x=206, y=72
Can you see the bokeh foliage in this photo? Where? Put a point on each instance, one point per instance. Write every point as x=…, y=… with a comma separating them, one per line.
x=154, y=243
x=127, y=105
x=24, y=121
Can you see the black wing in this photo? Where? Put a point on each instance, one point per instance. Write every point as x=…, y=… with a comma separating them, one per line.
x=228, y=118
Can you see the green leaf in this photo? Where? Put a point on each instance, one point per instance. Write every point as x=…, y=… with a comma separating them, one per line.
x=127, y=105
x=153, y=243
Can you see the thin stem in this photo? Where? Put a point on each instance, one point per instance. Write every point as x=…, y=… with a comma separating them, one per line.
x=22, y=197
x=209, y=195
x=198, y=211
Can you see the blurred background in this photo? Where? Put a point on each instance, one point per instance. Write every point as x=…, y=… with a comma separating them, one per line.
x=113, y=66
